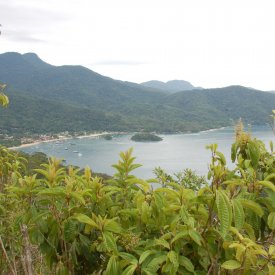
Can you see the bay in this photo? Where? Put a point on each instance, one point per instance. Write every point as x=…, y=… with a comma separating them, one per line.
x=175, y=153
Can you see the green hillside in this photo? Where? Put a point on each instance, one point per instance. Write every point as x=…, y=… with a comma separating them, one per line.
x=171, y=86
x=51, y=99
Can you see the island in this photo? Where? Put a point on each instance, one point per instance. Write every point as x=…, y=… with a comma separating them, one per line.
x=145, y=137
x=108, y=137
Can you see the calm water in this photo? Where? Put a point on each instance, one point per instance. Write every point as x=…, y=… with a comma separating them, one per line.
x=174, y=153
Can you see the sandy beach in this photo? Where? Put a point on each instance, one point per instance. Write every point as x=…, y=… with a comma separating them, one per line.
x=36, y=142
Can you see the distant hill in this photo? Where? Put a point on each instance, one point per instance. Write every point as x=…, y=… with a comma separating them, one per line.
x=171, y=86
x=232, y=102
x=51, y=99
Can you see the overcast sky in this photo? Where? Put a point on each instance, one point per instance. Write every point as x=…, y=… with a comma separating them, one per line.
x=211, y=43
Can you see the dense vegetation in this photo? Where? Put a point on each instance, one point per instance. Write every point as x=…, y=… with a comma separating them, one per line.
x=171, y=86
x=50, y=99
x=143, y=137
x=61, y=221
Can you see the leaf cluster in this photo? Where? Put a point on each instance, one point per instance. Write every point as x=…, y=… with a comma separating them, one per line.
x=80, y=224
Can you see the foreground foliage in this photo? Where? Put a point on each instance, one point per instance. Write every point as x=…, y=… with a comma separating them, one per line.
x=61, y=221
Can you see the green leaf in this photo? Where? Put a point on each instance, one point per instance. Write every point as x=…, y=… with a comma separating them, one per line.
x=255, y=207
x=163, y=243
x=224, y=211
x=112, y=267
x=77, y=197
x=221, y=157
x=85, y=219
x=154, y=265
x=254, y=153
x=238, y=213
x=180, y=235
x=234, y=148
x=70, y=230
x=267, y=184
x=145, y=212
x=173, y=257
x=54, y=191
x=144, y=255
x=129, y=257
x=231, y=265
x=112, y=226
x=4, y=100
x=110, y=241
x=271, y=220
x=183, y=261
x=195, y=236
x=130, y=269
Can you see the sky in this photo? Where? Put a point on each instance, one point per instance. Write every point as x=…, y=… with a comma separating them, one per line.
x=213, y=43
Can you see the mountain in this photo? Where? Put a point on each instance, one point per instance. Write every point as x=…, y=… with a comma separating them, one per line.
x=52, y=99
x=171, y=86
x=228, y=103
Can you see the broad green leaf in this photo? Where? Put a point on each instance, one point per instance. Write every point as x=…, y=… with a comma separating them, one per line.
x=4, y=100
x=163, y=243
x=186, y=263
x=234, y=148
x=78, y=197
x=155, y=263
x=173, y=257
x=112, y=226
x=221, y=157
x=255, y=207
x=180, y=235
x=195, y=236
x=130, y=269
x=269, y=177
x=85, y=219
x=267, y=184
x=238, y=213
x=254, y=153
x=112, y=266
x=145, y=212
x=231, y=265
x=129, y=257
x=271, y=269
x=271, y=220
x=224, y=211
x=110, y=241
x=271, y=249
x=144, y=255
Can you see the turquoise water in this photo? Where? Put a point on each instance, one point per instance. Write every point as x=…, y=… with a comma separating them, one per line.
x=175, y=153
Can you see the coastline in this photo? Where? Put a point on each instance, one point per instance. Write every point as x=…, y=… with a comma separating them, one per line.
x=37, y=142
x=62, y=138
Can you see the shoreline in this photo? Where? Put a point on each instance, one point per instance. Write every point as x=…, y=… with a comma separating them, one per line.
x=37, y=142
x=62, y=138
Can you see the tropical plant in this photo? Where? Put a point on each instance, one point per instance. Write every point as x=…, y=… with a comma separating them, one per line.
x=63, y=221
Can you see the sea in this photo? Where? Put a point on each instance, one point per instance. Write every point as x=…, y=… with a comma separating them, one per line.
x=174, y=153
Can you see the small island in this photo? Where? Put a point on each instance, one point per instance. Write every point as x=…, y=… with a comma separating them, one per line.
x=145, y=137
x=108, y=137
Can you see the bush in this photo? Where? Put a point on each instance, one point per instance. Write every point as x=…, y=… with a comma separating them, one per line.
x=76, y=223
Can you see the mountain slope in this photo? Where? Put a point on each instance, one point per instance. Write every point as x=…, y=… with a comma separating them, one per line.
x=46, y=98
x=229, y=103
x=171, y=86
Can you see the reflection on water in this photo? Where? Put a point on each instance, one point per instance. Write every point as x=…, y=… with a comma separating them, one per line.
x=174, y=153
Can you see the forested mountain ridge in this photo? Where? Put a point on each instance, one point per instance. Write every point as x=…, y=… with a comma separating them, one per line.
x=51, y=99
x=171, y=86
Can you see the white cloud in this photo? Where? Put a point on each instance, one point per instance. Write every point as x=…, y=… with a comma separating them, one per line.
x=209, y=43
